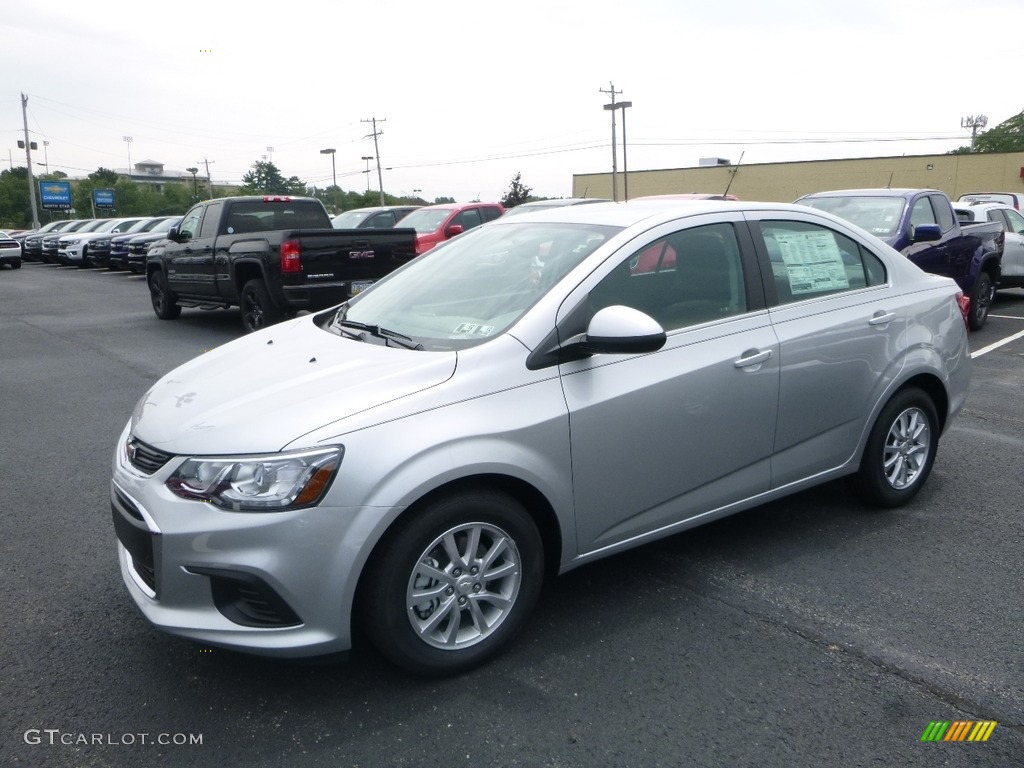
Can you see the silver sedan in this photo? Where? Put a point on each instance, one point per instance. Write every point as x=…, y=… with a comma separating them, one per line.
x=528, y=397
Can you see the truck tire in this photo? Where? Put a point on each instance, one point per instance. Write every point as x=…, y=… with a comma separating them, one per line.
x=981, y=300
x=258, y=310
x=160, y=294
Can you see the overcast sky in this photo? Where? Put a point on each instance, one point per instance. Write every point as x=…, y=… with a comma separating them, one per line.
x=467, y=94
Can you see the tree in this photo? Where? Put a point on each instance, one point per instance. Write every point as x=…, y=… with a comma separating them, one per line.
x=266, y=179
x=1008, y=136
x=517, y=193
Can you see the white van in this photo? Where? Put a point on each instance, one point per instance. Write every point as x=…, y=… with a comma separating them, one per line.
x=1013, y=199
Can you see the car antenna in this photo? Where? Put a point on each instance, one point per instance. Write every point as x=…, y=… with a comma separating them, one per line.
x=889, y=185
x=734, y=172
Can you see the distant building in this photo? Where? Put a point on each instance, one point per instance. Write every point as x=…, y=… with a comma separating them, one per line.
x=153, y=172
x=784, y=182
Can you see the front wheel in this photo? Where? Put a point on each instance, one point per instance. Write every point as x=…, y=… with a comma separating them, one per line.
x=160, y=294
x=900, y=450
x=258, y=311
x=981, y=301
x=450, y=587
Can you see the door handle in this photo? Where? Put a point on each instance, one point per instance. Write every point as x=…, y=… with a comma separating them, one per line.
x=752, y=357
x=882, y=318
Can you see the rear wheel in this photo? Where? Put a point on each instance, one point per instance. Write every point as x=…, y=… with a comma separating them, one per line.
x=900, y=450
x=258, y=311
x=453, y=584
x=981, y=301
x=160, y=294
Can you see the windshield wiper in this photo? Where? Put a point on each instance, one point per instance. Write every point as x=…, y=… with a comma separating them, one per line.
x=381, y=333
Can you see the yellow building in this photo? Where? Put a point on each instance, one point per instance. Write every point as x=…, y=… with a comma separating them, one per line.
x=785, y=182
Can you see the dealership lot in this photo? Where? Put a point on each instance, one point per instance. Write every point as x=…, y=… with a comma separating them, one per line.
x=810, y=631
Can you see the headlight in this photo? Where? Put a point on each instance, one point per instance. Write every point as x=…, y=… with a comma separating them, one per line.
x=270, y=483
x=100, y=243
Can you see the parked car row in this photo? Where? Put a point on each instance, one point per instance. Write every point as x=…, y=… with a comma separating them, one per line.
x=10, y=250
x=96, y=242
x=433, y=223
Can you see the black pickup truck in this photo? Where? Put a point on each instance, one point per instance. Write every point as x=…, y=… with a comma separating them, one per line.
x=271, y=256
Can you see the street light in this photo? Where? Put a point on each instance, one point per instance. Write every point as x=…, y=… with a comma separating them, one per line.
x=615, y=184
x=128, y=140
x=46, y=159
x=195, y=184
x=368, y=158
x=334, y=174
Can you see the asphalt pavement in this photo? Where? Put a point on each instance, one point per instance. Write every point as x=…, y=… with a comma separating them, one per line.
x=808, y=632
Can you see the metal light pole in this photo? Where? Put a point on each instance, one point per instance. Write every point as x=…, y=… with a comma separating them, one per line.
x=625, y=169
x=270, y=153
x=368, y=158
x=195, y=184
x=334, y=174
x=615, y=155
x=46, y=159
x=128, y=140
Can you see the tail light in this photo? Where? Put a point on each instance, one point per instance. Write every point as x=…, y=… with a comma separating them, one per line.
x=965, y=306
x=291, y=257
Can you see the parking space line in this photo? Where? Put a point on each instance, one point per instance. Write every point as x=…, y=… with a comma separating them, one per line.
x=997, y=344
x=1008, y=317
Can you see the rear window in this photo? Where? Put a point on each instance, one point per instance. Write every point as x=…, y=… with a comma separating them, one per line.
x=260, y=216
x=878, y=215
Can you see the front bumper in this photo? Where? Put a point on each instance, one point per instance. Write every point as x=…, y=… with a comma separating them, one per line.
x=278, y=584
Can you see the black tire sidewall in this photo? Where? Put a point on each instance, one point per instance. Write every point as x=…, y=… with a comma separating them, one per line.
x=257, y=289
x=870, y=480
x=978, y=315
x=382, y=608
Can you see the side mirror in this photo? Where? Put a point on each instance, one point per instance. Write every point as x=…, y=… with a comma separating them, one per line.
x=176, y=235
x=453, y=230
x=619, y=330
x=926, y=233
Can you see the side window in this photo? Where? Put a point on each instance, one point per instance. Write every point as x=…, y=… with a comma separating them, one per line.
x=491, y=212
x=922, y=213
x=810, y=260
x=210, y=221
x=688, y=277
x=1016, y=221
x=468, y=219
x=943, y=212
x=190, y=224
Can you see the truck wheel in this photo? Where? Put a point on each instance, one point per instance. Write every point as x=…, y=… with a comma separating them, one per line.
x=163, y=303
x=900, y=450
x=981, y=300
x=453, y=583
x=258, y=311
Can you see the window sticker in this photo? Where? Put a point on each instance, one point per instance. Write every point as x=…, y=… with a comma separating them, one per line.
x=813, y=261
x=473, y=329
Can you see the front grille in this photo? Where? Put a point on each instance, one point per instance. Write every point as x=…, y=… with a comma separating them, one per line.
x=146, y=458
x=136, y=538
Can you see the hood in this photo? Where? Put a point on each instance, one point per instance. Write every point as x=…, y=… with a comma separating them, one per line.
x=263, y=391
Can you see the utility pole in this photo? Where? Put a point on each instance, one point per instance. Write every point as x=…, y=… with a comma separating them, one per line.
x=974, y=122
x=28, y=161
x=376, y=151
x=615, y=160
x=209, y=181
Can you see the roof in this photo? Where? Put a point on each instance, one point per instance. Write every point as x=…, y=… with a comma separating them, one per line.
x=875, y=192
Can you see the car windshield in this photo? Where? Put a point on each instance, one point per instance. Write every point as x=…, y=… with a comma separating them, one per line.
x=878, y=215
x=472, y=288
x=426, y=220
x=349, y=219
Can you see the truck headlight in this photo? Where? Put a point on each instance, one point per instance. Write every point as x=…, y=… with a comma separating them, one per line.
x=269, y=483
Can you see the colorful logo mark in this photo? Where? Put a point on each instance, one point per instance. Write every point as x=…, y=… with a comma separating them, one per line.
x=959, y=730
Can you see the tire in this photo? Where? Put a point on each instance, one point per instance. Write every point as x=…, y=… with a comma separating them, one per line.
x=433, y=608
x=16, y=264
x=160, y=294
x=258, y=311
x=900, y=451
x=981, y=300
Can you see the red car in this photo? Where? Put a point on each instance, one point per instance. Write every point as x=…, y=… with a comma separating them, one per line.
x=436, y=223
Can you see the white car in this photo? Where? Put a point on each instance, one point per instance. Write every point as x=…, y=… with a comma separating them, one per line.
x=536, y=394
x=1012, y=266
x=74, y=248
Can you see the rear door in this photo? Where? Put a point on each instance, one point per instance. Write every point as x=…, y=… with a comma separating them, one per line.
x=661, y=438
x=841, y=327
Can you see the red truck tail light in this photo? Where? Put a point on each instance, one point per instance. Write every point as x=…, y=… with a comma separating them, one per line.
x=276, y=198
x=965, y=307
x=291, y=257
